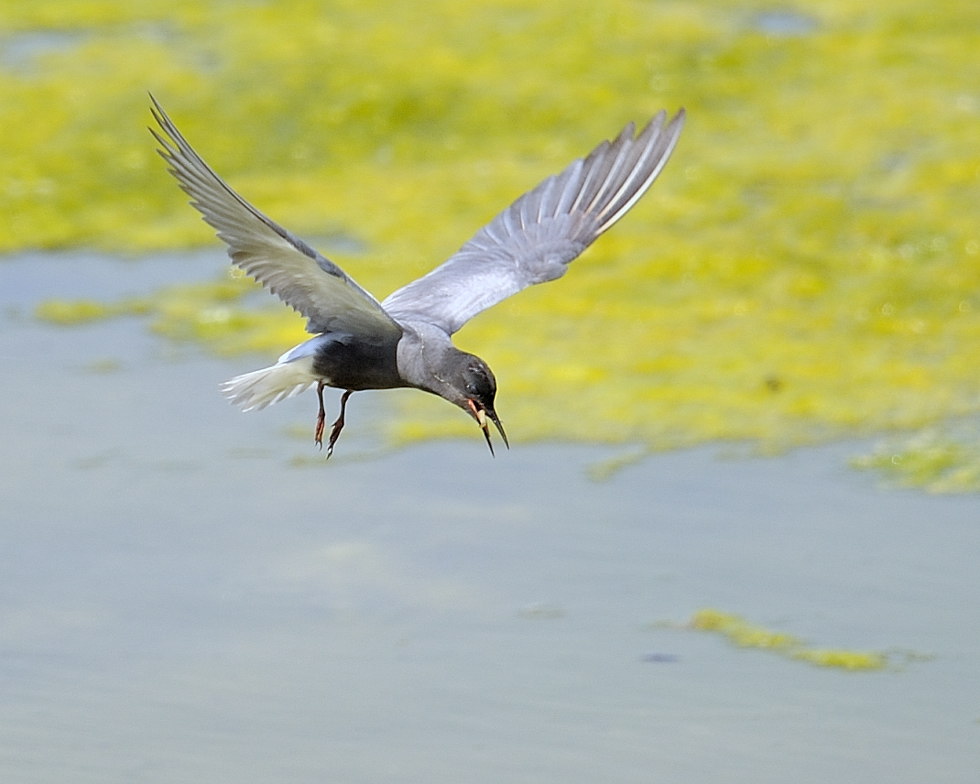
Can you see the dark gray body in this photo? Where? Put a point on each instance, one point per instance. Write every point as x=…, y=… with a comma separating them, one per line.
x=348, y=362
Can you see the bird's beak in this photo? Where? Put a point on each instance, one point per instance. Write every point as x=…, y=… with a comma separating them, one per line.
x=480, y=414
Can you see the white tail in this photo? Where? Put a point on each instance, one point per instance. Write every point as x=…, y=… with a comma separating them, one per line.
x=264, y=387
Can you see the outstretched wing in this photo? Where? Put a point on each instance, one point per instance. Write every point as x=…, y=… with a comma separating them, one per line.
x=534, y=239
x=306, y=281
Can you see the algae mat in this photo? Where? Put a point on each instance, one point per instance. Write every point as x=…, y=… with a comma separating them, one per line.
x=807, y=266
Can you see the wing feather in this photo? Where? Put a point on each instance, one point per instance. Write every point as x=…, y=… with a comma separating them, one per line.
x=535, y=238
x=308, y=282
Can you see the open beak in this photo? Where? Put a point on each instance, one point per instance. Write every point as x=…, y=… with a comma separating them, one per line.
x=481, y=415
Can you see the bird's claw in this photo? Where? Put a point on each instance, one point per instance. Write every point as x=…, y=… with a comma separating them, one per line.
x=334, y=435
x=321, y=416
x=335, y=428
x=318, y=432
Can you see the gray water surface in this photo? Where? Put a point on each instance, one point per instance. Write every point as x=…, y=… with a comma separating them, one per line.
x=180, y=601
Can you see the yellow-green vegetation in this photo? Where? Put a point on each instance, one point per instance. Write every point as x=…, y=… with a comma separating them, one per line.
x=79, y=311
x=938, y=460
x=807, y=267
x=746, y=635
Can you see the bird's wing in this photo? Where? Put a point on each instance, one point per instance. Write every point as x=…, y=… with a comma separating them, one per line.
x=534, y=239
x=292, y=270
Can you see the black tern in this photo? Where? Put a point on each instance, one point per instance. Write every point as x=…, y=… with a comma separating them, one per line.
x=360, y=343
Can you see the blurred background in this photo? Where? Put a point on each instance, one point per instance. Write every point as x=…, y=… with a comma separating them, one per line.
x=189, y=593
x=807, y=267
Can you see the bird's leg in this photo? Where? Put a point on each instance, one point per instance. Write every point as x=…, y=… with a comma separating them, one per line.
x=337, y=426
x=321, y=417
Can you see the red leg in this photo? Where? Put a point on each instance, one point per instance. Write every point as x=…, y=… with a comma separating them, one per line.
x=321, y=417
x=339, y=424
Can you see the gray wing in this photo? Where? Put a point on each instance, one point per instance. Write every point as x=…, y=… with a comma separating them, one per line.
x=534, y=239
x=292, y=270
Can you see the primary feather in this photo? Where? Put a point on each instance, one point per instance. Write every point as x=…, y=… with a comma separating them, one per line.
x=535, y=238
x=302, y=278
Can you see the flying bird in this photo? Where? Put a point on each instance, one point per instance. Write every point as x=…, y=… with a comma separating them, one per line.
x=405, y=340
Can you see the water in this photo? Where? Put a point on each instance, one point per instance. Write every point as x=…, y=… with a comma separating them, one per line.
x=180, y=601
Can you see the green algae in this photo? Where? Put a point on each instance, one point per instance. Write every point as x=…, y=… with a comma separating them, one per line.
x=937, y=459
x=740, y=632
x=80, y=311
x=808, y=266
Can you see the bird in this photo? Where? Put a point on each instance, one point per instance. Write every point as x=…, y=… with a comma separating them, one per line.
x=360, y=343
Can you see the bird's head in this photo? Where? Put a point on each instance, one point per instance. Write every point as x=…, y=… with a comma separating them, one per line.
x=475, y=389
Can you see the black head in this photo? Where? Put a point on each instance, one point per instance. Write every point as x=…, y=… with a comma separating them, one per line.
x=479, y=388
